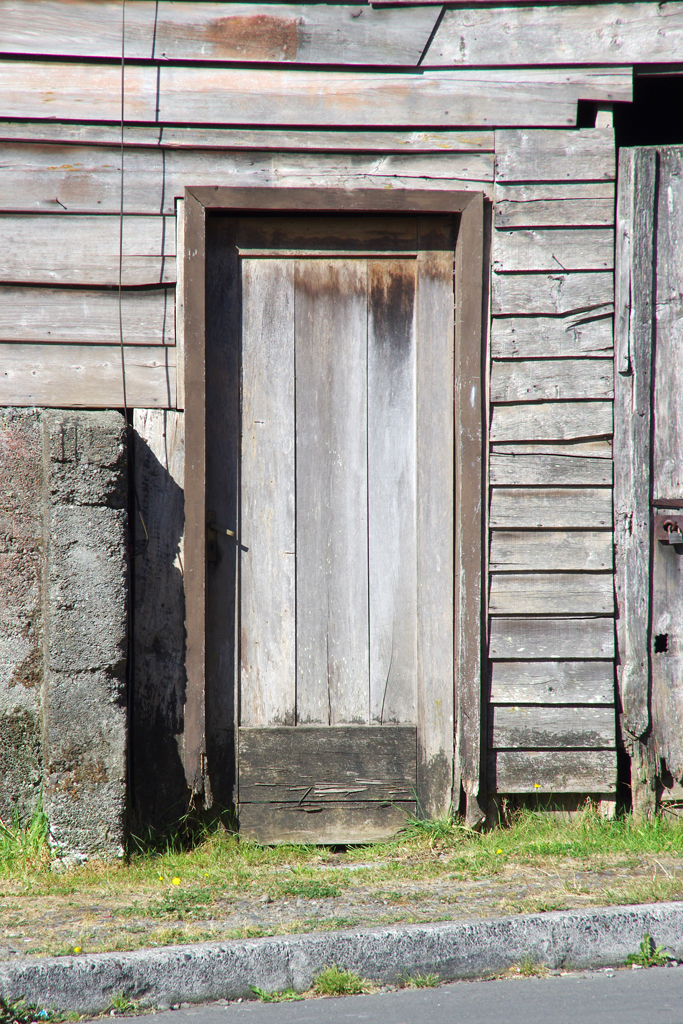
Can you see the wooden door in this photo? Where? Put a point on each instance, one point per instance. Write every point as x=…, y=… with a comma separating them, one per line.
x=345, y=577
x=649, y=470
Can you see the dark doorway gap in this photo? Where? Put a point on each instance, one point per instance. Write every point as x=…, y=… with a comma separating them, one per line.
x=655, y=118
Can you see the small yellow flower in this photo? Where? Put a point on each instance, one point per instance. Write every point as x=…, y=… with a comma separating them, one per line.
x=77, y=949
x=206, y=874
x=161, y=878
x=175, y=881
x=499, y=851
x=537, y=785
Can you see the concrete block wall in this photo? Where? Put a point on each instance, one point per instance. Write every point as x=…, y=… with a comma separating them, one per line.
x=63, y=623
x=21, y=610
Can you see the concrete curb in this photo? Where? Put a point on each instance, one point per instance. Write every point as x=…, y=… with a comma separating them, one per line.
x=458, y=949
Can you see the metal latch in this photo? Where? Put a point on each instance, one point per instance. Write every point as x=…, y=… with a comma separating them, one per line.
x=669, y=528
x=212, y=530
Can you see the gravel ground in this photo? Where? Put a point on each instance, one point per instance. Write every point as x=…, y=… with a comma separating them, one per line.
x=340, y=896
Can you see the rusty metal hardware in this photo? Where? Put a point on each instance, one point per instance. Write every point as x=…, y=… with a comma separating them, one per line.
x=668, y=528
x=212, y=529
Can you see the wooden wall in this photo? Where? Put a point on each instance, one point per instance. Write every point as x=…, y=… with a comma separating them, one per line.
x=551, y=593
x=480, y=97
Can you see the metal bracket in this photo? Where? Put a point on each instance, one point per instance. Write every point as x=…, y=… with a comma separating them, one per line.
x=212, y=531
x=668, y=528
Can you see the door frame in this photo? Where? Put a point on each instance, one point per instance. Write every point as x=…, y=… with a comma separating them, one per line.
x=470, y=278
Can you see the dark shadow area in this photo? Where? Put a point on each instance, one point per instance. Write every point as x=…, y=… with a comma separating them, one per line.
x=655, y=118
x=223, y=375
x=159, y=796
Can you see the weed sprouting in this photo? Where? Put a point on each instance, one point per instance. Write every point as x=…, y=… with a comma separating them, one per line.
x=21, y=1012
x=24, y=845
x=332, y=981
x=419, y=981
x=648, y=955
x=528, y=967
x=287, y=995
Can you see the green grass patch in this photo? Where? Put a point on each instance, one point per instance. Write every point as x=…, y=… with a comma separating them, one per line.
x=309, y=889
x=219, y=886
x=648, y=955
x=332, y=981
x=287, y=995
x=419, y=981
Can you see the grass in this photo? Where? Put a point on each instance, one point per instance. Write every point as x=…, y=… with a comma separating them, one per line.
x=287, y=995
x=219, y=886
x=332, y=981
x=419, y=981
x=528, y=967
x=648, y=955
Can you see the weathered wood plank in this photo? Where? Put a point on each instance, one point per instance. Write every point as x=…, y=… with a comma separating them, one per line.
x=182, y=94
x=551, y=593
x=434, y=319
x=551, y=421
x=334, y=233
x=37, y=249
x=494, y=97
x=553, y=248
x=597, y=449
x=667, y=456
x=263, y=33
x=548, y=508
x=582, y=334
x=529, y=381
x=547, y=638
x=532, y=727
x=331, y=491
x=527, y=550
x=636, y=219
x=470, y=272
x=526, y=156
x=530, y=470
x=327, y=824
x=62, y=179
x=594, y=33
x=392, y=556
x=268, y=555
x=551, y=294
x=159, y=610
x=552, y=682
x=556, y=771
x=37, y=314
x=553, y=205
x=86, y=376
x=172, y=137
x=667, y=654
x=180, y=304
x=308, y=765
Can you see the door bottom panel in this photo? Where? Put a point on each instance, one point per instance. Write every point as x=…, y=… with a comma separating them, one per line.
x=329, y=823
x=326, y=784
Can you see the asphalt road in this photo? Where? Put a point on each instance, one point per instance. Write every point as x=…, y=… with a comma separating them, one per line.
x=653, y=996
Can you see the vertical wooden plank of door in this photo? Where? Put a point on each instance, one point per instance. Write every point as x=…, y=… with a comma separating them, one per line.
x=667, y=455
x=391, y=490
x=667, y=465
x=331, y=491
x=434, y=343
x=632, y=398
x=194, y=259
x=267, y=553
x=222, y=298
